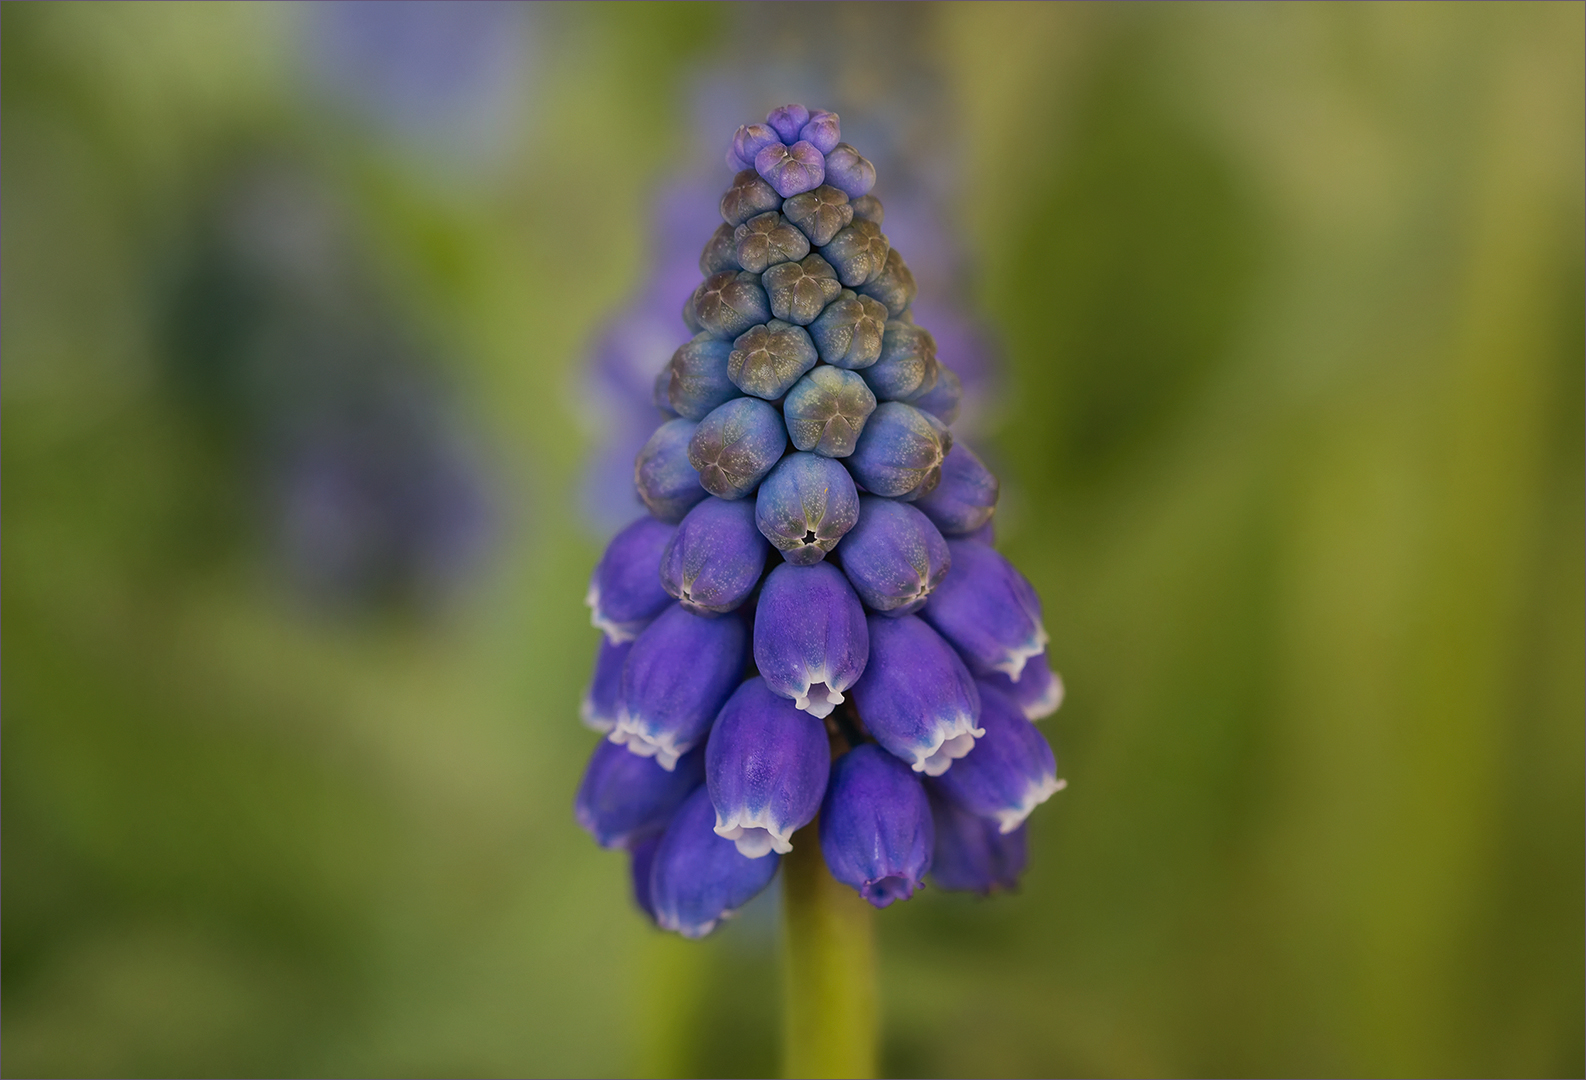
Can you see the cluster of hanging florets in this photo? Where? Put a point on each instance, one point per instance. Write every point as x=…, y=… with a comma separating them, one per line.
x=884, y=671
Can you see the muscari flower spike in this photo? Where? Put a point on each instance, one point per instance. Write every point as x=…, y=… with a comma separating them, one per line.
x=804, y=482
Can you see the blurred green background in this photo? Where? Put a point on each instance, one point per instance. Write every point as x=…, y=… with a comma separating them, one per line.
x=1291, y=299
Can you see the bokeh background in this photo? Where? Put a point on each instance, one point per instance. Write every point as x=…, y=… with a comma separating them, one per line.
x=309, y=379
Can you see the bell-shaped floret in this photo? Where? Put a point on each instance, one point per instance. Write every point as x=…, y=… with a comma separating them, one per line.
x=625, y=590
x=799, y=291
x=965, y=498
x=736, y=445
x=697, y=878
x=916, y=697
x=858, y=253
x=826, y=410
x=1039, y=691
x=748, y=196
x=805, y=505
x=899, y=451
x=823, y=130
x=767, y=240
x=720, y=253
x=787, y=121
x=907, y=366
x=791, y=169
x=766, y=766
x=941, y=400
x=1012, y=770
x=715, y=557
x=876, y=829
x=869, y=207
x=641, y=859
x=766, y=360
x=847, y=169
x=728, y=303
x=848, y=332
x=625, y=799
x=810, y=639
x=988, y=611
x=820, y=214
x=894, y=556
x=972, y=853
x=696, y=378
x=894, y=286
x=681, y=671
x=598, y=710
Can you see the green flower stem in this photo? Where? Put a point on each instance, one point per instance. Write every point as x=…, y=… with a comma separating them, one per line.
x=828, y=970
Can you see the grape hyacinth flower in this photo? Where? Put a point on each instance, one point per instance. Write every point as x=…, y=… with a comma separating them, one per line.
x=804, y=481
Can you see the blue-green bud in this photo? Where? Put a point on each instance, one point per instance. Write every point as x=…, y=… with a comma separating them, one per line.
x=869, y=207
x=665, y=479
x=858, y=253
x=766, y=240
x=728, y=303
x=800, y=291
x=735, y=446
x=748, y=196
x=696, y=379
x=907, y=367
x=826, y=410
x=899, y=451
x=894, y=286
x=848, y=333
x=766, y=360
x=805, y=506
x=820, y=214
x=719, y=254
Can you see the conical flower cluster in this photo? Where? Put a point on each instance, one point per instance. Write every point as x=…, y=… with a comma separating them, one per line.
x=812, y=619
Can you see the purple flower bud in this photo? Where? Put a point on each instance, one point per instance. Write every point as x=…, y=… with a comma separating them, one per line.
x=625, y=590
x=800, y=291
x=791, y=169
x=1012, y=770
x=966, y=497
x=848, y=333
x=625, y=799
x=899, y=451
x=599, y=707
x=787, y=121
x=826, y=410
x=894, y=556
x=810, y=639
x=641, y=860
x=894, y=286
x=766, y=766
x=715, y=557
x=736, y=445
x=805, y=505
x=680, y=672
x=698, y=878
x=748, y=141
x=876, y=827
x=748, y=196
x=916, y=697
x=820, y=214
x=697, y=379
x=766, y=360
x=988, y=611
x=858, y=253
x=767, y=240
x=720, y=252
x=847, y=169
x=727, y=304
x=666, y=481
x=823, y=131
x=869, y=207
x=907, y=366
x=1039, y=691
x=941, y=400
x=972, y=854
